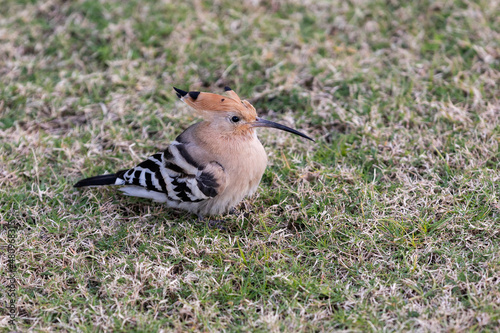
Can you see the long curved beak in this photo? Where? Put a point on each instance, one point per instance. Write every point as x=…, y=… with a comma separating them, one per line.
x=259, y=122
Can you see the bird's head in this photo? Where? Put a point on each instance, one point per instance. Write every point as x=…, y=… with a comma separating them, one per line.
x=230, y=114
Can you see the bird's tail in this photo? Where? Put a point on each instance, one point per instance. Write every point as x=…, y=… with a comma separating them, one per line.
x=100, y=180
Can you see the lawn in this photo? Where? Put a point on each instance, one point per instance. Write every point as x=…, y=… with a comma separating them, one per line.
x=390, y=221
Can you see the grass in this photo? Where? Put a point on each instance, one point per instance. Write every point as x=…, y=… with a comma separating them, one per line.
x=389, y=222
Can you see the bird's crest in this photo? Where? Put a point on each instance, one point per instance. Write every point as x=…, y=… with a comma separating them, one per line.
x=207, y=103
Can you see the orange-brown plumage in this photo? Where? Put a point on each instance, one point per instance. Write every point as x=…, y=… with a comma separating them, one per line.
x=206, y=104
x=211, y=166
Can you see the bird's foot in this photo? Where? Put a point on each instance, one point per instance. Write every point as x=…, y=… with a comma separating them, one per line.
x=212, y=224
x=216, y=224
x=241, y=211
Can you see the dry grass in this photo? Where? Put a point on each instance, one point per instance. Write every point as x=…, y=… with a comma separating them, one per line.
x=390, y=222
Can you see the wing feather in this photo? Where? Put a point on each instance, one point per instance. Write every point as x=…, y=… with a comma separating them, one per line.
x=177, y=174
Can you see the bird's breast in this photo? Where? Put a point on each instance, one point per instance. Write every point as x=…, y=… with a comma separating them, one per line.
x=247, y=164
x=244, y=166
x=242, y=157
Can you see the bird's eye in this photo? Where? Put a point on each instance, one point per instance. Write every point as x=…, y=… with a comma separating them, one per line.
x=235, y=119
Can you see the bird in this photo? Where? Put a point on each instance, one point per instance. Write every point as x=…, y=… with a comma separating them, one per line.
x=210, y=167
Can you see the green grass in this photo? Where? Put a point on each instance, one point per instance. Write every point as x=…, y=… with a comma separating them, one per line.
x=389, y=222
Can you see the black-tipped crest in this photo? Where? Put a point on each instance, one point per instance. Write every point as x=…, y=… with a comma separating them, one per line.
x=180, y=93
x=194, y=94
x=226, y=88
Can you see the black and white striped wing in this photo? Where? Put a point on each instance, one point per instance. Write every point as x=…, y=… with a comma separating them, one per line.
x=174, y=176
x=145, y=180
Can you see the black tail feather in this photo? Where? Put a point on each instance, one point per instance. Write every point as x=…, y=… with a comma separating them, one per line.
x=98, y=180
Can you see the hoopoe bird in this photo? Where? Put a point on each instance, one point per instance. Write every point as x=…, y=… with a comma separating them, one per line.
x=210, y=167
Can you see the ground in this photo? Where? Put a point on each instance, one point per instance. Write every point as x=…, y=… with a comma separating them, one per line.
x=389, y=222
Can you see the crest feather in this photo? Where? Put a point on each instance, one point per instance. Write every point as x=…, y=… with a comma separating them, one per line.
x=207, y=103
